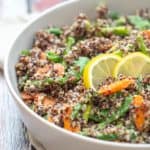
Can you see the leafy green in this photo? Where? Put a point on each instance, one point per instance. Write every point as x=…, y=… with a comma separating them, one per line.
x=118, y=113
x=139, y=22
x=76, y=110
x=25, y=52
x=53, y=57
x=110, y=137
x=81, y=62
x=55, y=30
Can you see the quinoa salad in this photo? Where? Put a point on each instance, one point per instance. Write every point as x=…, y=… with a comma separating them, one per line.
x=59, y=79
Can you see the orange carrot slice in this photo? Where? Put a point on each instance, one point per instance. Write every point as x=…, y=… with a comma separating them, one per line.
x=139, y=116
x=67, y=121
x=146, y=34
x=138, y=100
x=116, y=86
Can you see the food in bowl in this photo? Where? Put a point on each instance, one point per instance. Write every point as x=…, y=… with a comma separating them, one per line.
x=92, y=78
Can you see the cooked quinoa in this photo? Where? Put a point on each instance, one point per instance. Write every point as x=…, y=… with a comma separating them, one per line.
x=51, y=83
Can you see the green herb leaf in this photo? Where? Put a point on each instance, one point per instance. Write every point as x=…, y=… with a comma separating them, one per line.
x=25, y=52
x=54, y=30
x=139, y=22
x=54, y=57
x=81, y=62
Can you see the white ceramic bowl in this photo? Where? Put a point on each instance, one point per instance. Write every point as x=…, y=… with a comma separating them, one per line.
x=50, y=135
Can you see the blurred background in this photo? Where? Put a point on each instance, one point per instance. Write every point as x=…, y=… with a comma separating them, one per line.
x=14, y=14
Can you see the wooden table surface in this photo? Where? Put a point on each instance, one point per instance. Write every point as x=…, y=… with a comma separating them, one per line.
x=13, y=134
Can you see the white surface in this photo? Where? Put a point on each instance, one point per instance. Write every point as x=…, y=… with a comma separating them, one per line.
x=8, y=31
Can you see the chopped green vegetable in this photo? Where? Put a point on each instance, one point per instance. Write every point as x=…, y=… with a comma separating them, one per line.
x=48, y=81
x=139, y=22
x=120, y=21
x=25, y=52
x=119, y=30
x=118, y=52
x=87, y=112
x=61, y=80
x=104, y=113
x=81, y=62
x=53, y=57
x=141, y=45
x=110, y=137
x=95, y=118
x=70, y=42
x=88, y=25
x=54, y=30
x=76, y=110
x=119, y=113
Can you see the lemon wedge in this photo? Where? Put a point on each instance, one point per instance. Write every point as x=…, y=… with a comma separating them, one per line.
x=134, y=64
x=98, y=69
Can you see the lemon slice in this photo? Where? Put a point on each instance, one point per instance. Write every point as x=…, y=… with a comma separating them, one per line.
x=134, y=65
x=98, y=69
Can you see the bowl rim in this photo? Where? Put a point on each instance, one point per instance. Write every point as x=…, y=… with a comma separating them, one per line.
x=36, y=116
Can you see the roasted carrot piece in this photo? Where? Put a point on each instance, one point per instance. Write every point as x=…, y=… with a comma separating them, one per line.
x=67, y=121
x=43, y=56
x=139, y=116
x=146, y=34
x=26, y=96
x=43, y=70
x=139, y=119
x=48, y=101
x=116, y=86
x=50, y=119
x=138, y=100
